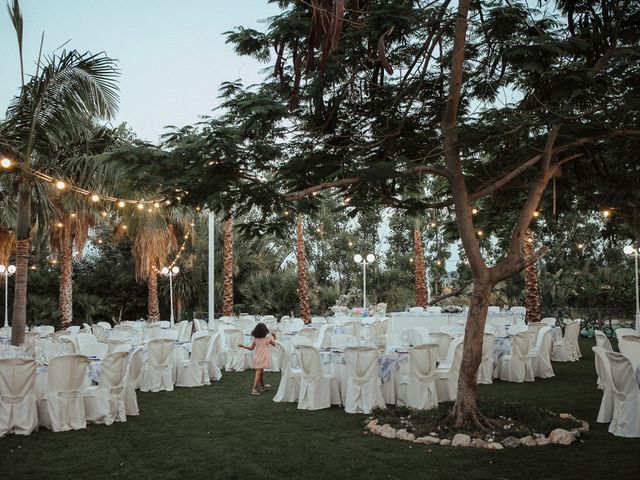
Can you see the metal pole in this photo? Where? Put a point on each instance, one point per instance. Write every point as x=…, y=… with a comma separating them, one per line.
x=637, y=294
x=364, y=282
x=171, y=294
x=212, y=264
x=6, y=297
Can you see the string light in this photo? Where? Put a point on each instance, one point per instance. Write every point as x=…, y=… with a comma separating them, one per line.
x=104, y=213
x=140, y=206
x=580, y=246
x=6, y=163
x=60, y=185
x=121, y=204
x=606, y=213
x=350, y=243
x=433, y=224
x=474, y=211
x=59, y=224
x=95, y=198
x=480, y=233
x=73, y=215
x=536, y=214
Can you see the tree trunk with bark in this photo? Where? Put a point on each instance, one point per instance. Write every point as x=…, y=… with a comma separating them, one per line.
x=422, y=295
x=227, y=269
x=303, y=287
x=153, y=303
x=66, y=284
x=532, y=293
x=23, y=231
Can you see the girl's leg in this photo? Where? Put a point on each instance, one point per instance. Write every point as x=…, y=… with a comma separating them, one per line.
x=256, y=379
x=262, y=378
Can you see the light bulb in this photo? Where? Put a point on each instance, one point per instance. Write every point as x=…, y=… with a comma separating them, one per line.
x=95, y=198
x=628, y=249
x=3, y=269
x=121, y=204
x=371, y=258
x=175, y=270
x=6, y=163
x=60, y=185
x=11, y=269
x=164, y=270
x=140, y=206
x=357, y=258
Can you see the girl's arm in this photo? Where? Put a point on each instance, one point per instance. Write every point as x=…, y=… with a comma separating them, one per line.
x=250, y=347
x=272, y=341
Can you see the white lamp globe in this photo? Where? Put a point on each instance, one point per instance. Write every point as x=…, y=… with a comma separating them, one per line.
x=175, y=270
x=628, y=250
x=357, y=258
x=371, y=258
x=164, y=270
x=11, y=269
x=3, y=269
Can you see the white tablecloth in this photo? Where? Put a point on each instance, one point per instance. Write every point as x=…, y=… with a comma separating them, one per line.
x=401, y=320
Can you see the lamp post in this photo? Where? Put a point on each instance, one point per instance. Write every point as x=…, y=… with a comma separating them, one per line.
x=631, y=250
x=170, y=272
x=7, y=272
x=370, y=258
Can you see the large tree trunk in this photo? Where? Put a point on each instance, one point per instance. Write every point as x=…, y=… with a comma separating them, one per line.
x=303, y=287
x=66, y=284
x=465, y=412
x=153, y=307
x=227, y=269
x=23, y=230
x=532, y=294
x=422, y=296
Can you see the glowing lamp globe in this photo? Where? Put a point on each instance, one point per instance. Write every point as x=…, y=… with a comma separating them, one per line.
x=3, y=269
x=357, y=258
x=371, y=257
x=164, y=270
x=628, y=249
x=175, y=270
x=11, y=269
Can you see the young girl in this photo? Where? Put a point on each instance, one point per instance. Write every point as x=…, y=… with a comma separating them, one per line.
x=262, y=339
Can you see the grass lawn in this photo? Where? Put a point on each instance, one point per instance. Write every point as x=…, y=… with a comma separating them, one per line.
x=220, y=431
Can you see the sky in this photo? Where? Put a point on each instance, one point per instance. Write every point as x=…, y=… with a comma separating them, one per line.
x=172, y=55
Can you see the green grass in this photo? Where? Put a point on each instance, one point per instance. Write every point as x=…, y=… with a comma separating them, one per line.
x=221, y=431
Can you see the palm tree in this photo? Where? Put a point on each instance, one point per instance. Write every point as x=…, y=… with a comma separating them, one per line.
x=227, y=269
x=422, y=296
x=532, y=292
x=303, y=287
x=155, y=233
x=65, y=91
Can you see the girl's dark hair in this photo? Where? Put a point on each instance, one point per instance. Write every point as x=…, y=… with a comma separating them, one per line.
x=260, y=331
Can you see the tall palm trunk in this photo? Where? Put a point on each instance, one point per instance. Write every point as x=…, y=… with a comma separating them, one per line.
x=303, y=287
x=66, y=284
x=23, y=230
x=532, y=294
x=153, y=307
x=227, y=269
x=422, y=296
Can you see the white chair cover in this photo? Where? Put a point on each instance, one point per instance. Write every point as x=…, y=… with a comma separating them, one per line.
x=84, y=339
x=184, y=333
x=99, y=332
x=133, y=377
x=199, y=325
x=493, y=309
x=215, y=324
x=603, y=341
x=245, y=325
x=571, y=334
x=485, y=371
x=416, y=310
x=73, y=329
x=550, y=321
x=105, y=325
x=195, y=371
x=620, y=332
x=62, y=407
x=541, y=354
x=18, y=408
x=215, y=347
x=518, y=310
x=157, y=373
x=364, y=388
x=98, y=350
x=626, y=394
x=325, y=336
x=105, y=402
x=418, y=388
x=317, y=390
x=443, y=340
x=603, y=369
x=447, y=372
x=308, y=332
x=289, y=388
x=352, y=328
x=151, y=332
x=169, y=334
x=164, y=323
x=435, y=310
x=516, y=367
x=629, y=346
x=238, y=359
x=44, y=329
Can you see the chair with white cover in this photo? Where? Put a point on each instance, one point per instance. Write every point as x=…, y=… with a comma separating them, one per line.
x=309, y=332
x=215, y=347
x=434, y=310
x=151, y=332
x=98, y=350
x=626, y=394
x=184, y=332
x=238, y=359
x=447, y=372
x=629, y=346
x=62, y=407
x=44, y=329
x=518, y=310
x=620, y=332
x=29, y=343
x=485, y=371
x=105, y=325
x=18, y=407
x=245, y=324
x=99, y=332
x=73, y=329
x=541, y=354
x=364, y=388
x=199, y=325
x=318, y=320
x=169, y=334
x=157, y=373
x=195, y=371
x=416, y=335
x=325, y=336
x=84, y=339
x=534, y=328
x=603, y=369
x=416, y=310
x=67, y=341
x=565, y=349
x=133, y=377
x=352, y=328
x=417, y=388
x=493, y=309
x=603, y=341
x=550, y=321
x=164, y=323
x=516, y=367
x=215, y=324
x=289, y=388
x=317, y=390
x=443, y=340
x=105, y=403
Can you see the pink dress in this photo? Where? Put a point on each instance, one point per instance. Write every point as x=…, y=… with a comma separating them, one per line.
x=262, y=353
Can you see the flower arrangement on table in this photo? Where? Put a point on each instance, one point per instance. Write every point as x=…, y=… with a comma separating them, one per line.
x=340, y=310
x=359, y=312
x=451, y=309
x=380, y=310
